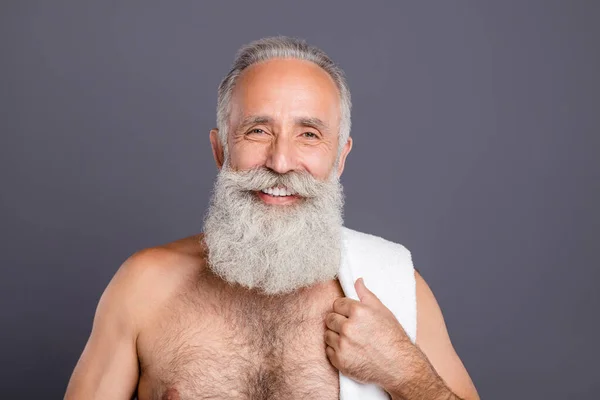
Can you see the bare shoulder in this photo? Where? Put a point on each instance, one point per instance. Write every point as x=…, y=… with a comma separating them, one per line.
x=433, y=340
x=151, y=276
x=108, y=366
x=172, y=261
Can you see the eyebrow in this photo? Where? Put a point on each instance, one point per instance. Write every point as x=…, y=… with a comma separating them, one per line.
x=253, y=120
x=312, y=122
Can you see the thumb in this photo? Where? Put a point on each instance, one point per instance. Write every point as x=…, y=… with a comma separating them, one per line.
x=364, y=294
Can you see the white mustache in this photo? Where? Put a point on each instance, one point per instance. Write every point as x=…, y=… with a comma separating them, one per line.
x=260, y=178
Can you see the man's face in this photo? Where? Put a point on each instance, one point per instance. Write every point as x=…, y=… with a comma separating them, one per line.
x=275, y=218
x=285, y=116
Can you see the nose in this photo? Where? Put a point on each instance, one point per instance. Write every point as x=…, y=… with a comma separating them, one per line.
x=281, y=157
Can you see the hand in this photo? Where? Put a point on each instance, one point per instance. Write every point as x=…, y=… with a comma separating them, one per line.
x=366, y=342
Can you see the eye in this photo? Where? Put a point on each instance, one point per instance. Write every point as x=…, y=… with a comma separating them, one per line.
x=257, y=131
x=310, y=135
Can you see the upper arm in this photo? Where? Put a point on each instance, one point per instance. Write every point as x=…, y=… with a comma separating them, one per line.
x=108, y=366
x=434, y=341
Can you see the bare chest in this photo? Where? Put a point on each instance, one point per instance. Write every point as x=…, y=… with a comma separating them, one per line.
x=238, y=347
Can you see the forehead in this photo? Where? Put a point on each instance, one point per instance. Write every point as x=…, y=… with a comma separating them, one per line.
x=283, y=88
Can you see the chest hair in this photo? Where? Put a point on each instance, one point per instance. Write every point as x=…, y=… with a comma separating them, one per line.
x=240, y=345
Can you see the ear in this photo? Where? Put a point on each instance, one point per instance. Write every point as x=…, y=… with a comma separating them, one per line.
x=217, y=147
x=343, y=155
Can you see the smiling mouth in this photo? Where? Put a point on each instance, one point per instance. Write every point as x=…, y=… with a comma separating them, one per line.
x=278, y=196
x=279, y=191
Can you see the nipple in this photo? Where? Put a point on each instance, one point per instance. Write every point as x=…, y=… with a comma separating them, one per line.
x=171, y=394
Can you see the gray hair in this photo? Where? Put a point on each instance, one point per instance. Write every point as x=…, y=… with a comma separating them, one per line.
x=281, y=47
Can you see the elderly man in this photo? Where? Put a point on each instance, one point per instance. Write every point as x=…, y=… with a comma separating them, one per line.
x=253, y=308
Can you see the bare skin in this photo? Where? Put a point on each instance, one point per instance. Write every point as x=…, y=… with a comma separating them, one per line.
x=167, y=328
x=196, y=337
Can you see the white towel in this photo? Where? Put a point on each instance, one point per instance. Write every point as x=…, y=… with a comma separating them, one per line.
x=387, y=270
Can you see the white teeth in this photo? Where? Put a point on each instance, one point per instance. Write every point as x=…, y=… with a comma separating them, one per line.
x=276, y=191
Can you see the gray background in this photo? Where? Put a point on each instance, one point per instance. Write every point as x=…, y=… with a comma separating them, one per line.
x=477, y=146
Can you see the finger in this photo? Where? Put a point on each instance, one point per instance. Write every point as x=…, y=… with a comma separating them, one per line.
x=364, y=294
x=335, y=321
x=343, y=305
x=332, y=356
x=332, y=339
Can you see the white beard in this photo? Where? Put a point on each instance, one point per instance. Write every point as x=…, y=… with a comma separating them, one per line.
x=276, y=249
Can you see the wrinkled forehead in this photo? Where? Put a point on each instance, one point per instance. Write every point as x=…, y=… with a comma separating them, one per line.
x=286, y=90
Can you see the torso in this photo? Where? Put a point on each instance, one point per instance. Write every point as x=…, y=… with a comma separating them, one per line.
x=217, y=341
